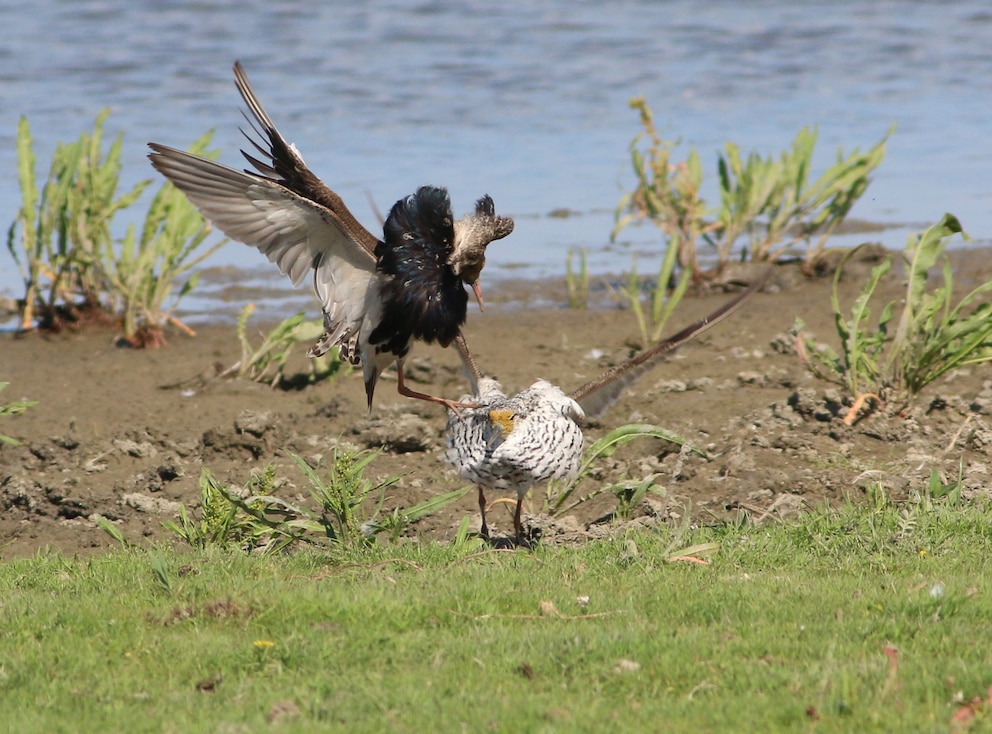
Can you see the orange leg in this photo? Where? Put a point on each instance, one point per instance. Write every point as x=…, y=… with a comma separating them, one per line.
x=452, y=405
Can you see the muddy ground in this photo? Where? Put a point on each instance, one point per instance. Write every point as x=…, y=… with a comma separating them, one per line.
x=125, y=433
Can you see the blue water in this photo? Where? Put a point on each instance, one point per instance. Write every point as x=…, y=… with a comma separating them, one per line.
x=525, y=101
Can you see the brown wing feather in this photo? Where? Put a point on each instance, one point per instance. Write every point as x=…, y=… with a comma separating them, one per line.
x=599, y=394
x=289, y=169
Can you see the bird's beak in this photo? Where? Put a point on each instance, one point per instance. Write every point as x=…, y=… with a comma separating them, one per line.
x=477, y=289
x=499, y=427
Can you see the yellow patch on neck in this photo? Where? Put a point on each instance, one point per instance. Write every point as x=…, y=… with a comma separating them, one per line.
x=503, y=418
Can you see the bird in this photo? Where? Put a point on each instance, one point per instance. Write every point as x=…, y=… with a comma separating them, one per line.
x=378, y=296
x=513, y=443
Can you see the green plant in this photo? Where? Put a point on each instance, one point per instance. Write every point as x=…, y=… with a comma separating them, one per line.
x=775, y=205
x=112, y=530
x=557, y=494
x=15, y=407
x=577, y=284
x=160, y=572
x=220, y=522
x=629, y=494
x=144, y=272
x=257, y=519
x=930, y=339
x=661, y=298
x=60, y=236
x=937, y=490
x=768, y=201
x=666, y=193
x=63, y=242
x=267, y=362
x=858, y=367
x=399, y=520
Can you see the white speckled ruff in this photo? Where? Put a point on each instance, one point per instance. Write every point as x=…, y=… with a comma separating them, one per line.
x=544, y=441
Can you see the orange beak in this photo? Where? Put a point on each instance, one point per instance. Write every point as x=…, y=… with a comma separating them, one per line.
x=477, y=289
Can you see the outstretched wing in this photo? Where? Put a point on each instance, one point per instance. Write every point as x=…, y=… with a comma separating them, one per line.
x=292, y=231
x=599, y=394
x=284, y=165
x=285, y=212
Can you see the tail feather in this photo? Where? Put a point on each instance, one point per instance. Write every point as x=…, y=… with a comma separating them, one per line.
x=597, y=395
x=371, y=373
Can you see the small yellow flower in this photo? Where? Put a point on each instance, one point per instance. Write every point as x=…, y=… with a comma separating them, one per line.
x=922, y=552
x=263, y=644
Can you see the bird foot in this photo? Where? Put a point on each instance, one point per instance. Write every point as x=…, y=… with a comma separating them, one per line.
x=452, y=405
x=455, y=405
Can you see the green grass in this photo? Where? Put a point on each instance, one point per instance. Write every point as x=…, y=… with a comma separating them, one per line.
x=786, y=630
x=14, y=407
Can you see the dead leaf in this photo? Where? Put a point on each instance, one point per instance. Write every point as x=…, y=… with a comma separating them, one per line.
x=208, y=685
x=282, y=710
x=626, y=666
x=547, y=609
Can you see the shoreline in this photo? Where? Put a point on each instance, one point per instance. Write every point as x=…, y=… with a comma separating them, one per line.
x=110, y=438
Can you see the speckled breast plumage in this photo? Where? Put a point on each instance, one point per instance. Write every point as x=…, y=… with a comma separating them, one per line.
x=512, y=443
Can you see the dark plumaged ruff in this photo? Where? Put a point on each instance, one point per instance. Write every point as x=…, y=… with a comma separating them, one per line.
x=376, y=296
x=422, y=298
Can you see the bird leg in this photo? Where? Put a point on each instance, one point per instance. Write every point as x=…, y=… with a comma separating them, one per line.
x=472, y=371
x=482, y=510
x=517, y=525
x=452, y=405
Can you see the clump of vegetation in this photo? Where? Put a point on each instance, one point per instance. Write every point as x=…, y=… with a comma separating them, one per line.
x=775, y=206
x=577, y=283
x=660, y=296
x=61, y=232
x=220, y=523
x=666, y=193
x=267, y=361
x=627, y=494
x=930, y=338
x=144, y=272
x=769, y=203
x=15, y=407
x=254, y=518
x=62, y=241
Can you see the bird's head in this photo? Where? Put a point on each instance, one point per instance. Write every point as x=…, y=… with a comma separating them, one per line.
x=503, y=418
x=473, y=233
x=500, y=426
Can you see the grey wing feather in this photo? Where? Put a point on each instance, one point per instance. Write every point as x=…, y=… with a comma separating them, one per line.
x=296, y=234
x=288, y=214
x=290, y=230
x=284, y=165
